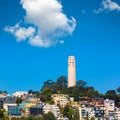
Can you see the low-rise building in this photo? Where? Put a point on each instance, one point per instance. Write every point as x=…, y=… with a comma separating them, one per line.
x=61, y=99
x=109, y=106
x=99, y=112
x=97, y=102
x=86, y=112
x=117, y=113
x=51, y=108
x=9, y=101
x=19, y=94
x=14, y=111
x=36, y=110
x=82, y=112
x=31, y=95
x=1, y=102
x=27, y=107
x=4, y=95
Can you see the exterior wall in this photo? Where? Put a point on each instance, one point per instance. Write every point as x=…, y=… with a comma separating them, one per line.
x=29, y=96
x=86, y=112
x=14, y=111
x=117, y=114
x=109, y=110
x=109, y=106
x=23, y=105
x=74, y=104
x=97, y=102
x=4, y=95
x=34, y=100
x=19, y=94
x=82, y=113
x=71, y=71
x=1, y=103
x=36, y=110
x=91, y=112
x=27, y=106
x=52, y=108
x=5, y=106
x=99, y=112
x=108, y=102
x=61, y=99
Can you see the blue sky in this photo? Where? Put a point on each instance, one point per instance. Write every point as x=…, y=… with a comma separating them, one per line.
x=32, y=51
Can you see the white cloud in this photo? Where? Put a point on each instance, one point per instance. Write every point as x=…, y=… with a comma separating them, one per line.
x=49, y=20
x=108, y=5
x=38, y=41
x=20, y=33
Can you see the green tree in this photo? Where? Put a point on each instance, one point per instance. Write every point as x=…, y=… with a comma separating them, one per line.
x=18, y=100
x=101, y=95
x=37, y=93
x=74, y=92
x=48, y=83
x=60, y=85
x=6, y=118
x=47, y=93
x=111, y=94
x=68, y=112
x=76, y=113
x=5, y=92
x=32, y=118
x=96, y=93
x=42, y=99
x=49, y=116
x=14, y=118
x=92, y=118
x=81, y=84
x=1, y=114
x=90, y=92
x=62, y=80
x=118, y=89
x=0, y=91
x=30, y=91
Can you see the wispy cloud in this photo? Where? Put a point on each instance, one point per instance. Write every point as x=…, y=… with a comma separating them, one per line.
x=49, y=21
x=20, y=33
x=108, y=5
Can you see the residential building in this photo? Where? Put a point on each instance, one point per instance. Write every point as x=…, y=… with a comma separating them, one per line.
x=82, y=112
x=61, y=99
x=36, y=110
x=9, y=101
x=27, y=107
x=98, y=102
x=20, y=94
x=99, y=112
x=30, y=95
x=1, y=102
x=109, y=106
x=4, y=95
x=51, y=108
x=14, y=111
x=117, y=113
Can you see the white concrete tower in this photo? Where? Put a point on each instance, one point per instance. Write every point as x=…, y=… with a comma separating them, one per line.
x=71, y=71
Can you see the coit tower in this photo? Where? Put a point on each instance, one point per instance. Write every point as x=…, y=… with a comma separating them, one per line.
x=71, y=71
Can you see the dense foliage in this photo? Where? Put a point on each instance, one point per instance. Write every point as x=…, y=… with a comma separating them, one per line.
x=48, y=116
x=79, y=91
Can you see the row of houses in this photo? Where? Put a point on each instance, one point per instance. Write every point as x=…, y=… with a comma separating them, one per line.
x=97, y=108
x=31, y=105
